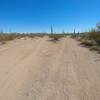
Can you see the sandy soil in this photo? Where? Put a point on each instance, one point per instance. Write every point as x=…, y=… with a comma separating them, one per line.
x=42, y=70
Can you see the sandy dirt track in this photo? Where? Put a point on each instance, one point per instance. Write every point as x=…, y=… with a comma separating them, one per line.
x=42, y=70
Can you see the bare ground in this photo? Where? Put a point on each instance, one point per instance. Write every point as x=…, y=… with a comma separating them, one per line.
x=42, y=70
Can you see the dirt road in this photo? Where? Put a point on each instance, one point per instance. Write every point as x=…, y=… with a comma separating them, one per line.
x=42, y=70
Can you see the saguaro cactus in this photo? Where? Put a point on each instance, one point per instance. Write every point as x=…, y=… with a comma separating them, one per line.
x=74, y=31
x=51, y=30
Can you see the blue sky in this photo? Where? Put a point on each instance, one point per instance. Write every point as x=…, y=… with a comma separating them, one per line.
x=39, y=15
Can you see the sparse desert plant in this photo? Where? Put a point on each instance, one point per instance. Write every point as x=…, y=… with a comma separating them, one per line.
x=7, y=37
x=92, y=39
x=3, y=42
x=88, y=43
x=94, y=36
x=11, y=36
x=73, y=36
x=55, y=37
x=95, y=48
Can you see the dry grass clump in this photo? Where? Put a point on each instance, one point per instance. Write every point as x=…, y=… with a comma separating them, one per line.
x=11, y=36
x=55, y=37
x=93, y=36
x=88, y=43
x=6, y=37
x=92, y=40
x=95, y=48
x=73, y=36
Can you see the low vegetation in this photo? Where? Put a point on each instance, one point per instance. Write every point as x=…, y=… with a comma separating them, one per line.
x=11, y=36
x=56, y=37
x=4, y=37
x=91, y=39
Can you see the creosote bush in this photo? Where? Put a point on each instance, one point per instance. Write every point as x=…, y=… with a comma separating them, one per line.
x=6, y=37
x=91, y=39
x=55, y=37
x=11, y=36
x=93, y=36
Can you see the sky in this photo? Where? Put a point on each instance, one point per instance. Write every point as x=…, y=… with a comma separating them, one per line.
x=40, y=15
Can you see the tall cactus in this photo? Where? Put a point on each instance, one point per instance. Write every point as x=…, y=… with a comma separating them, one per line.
x=51, y=30
x=74, y=31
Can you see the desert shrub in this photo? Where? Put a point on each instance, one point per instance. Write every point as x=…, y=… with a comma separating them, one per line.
x=55, y=37
x=95, y=48
x=12, y=36
x=92, y=40
x=73, y=36
x=88, y=43
x=3, y=42
x=7, y=37
x=94, y=36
